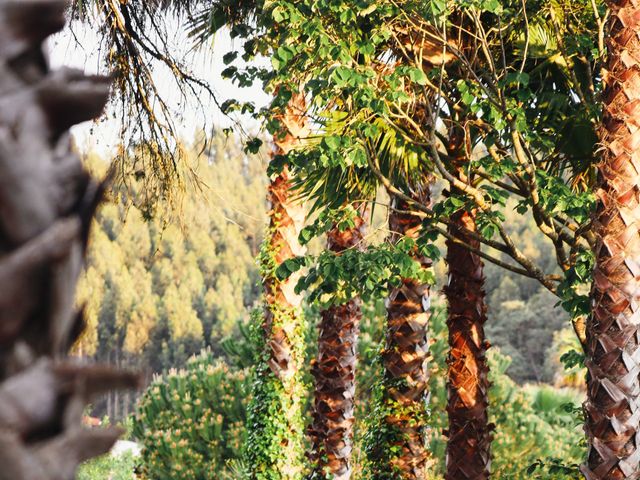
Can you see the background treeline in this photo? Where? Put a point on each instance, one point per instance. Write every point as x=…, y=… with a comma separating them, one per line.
x=159, y=289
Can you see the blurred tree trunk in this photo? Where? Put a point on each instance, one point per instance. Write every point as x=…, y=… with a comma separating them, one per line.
x=334, y=372
x=613, y=354
x=47, y=205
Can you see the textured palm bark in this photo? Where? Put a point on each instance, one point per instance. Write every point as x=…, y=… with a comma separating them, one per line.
x=282, y=323
x=47, y=202
x=469, y=435
x=405, y=356
x=286, y=219
x=334, y=372
x=613, y=353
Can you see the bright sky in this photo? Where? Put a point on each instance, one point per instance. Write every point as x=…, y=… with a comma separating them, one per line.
x=206, y=63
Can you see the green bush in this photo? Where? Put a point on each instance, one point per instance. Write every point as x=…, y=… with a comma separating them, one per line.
x=535, y=425
x=108, y=467
x=191, y=422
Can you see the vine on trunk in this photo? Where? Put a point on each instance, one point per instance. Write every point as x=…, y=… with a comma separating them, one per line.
x=331, y=429
x=275, y=444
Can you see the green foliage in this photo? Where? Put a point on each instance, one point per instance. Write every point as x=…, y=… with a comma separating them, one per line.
x=380, y=440
x=576, y=285
x=274, y=449
x=191, y=422
x=565, y=359
x=333, y=279
x=108, y=467
x=274, y=417
x=572, y=359
x=342, y=218
x=531, y=95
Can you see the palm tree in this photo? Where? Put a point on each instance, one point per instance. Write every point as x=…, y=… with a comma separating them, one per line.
x=613, y=337
x=276, y=432
x=334, y=372
x=48, y=202
x=405, y=383
x=407, y=348
x=469, y=432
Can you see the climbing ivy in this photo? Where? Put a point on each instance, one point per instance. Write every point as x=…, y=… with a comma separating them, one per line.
x=274, y=414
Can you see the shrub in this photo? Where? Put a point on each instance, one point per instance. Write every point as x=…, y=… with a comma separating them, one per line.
x=191, y=421
x=108, y=467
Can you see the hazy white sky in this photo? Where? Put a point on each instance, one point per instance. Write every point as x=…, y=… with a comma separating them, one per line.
x=80, y=49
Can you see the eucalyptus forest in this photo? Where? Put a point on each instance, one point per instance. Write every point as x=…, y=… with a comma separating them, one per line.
x=418, y=259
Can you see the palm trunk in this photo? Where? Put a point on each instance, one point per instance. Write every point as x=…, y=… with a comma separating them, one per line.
x=47, y=201
x=275, y=448
x=469, y=434
x=613, y=351
x=334, y=372
x=282, y=312
x=401, y=452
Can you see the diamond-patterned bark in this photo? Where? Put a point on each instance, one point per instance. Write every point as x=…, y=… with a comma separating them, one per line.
x=334, y=372
x=405, y=357
x=468, y=448
x=613, y=353
x=286, y=219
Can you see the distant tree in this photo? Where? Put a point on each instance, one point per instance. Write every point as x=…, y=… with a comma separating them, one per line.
x=158, y=290
x=507, y=290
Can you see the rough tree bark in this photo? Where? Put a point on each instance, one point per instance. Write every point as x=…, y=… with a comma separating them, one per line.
x=279, y=449
x=469, y=432
x=407, y=348
x=47, y=202
x=404, y=357
x=286, y=219
x=468, y=453
x=334, y=372
x=613, y=352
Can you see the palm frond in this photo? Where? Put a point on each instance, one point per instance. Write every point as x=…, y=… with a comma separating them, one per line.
x=207, y=21
x=332, y=185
